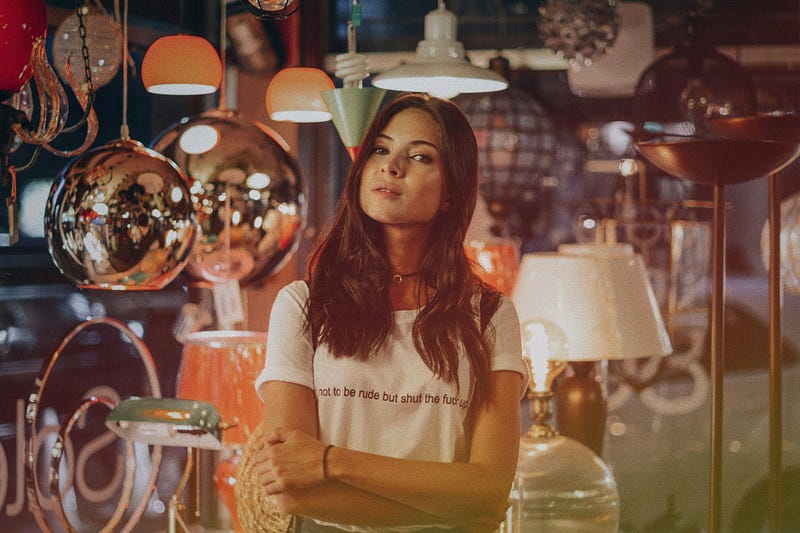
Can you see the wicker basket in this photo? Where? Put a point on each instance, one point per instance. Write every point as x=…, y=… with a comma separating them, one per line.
x=256, y=510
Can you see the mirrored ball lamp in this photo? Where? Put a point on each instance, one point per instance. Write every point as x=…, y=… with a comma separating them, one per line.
x=440, y=67
x=295, y=95
x=247, y=191
x=561, y=484
x=181, y=65
x=120, y=217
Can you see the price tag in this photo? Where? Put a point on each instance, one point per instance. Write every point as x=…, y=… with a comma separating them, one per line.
x=193, y=317
x=228, y=303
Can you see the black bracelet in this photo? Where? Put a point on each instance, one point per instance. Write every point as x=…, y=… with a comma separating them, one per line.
x=325, y=461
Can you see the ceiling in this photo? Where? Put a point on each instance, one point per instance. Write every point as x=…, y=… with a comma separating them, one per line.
x=730, y=22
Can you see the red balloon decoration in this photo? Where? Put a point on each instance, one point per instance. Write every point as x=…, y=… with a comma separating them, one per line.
x=22, y=22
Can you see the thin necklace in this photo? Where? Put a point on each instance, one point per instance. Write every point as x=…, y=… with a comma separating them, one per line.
x=398, y=278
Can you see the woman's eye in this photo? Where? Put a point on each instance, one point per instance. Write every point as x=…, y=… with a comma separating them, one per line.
x=380, y=150
x=422, y=158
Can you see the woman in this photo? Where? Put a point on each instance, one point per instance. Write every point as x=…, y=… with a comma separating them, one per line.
x=393, y=375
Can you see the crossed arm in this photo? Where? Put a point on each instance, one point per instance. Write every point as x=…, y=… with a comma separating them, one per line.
x=371, y=490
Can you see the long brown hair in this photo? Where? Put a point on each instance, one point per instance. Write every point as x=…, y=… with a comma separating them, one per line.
x=349, y=309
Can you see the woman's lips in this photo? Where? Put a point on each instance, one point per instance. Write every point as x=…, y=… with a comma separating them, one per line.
x=385, y=189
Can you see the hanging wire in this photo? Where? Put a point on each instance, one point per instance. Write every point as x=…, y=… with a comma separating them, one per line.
x=181, y=26
x=124, y=133
x=223, y=36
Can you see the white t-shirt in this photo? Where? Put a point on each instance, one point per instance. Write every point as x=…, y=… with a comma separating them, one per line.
x=392, y=404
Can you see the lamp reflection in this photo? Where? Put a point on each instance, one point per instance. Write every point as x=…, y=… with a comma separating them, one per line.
x=199, y=139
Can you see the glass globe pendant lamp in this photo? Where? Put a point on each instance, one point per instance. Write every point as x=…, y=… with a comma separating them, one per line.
x=245, y=186
x=517, y=144
x=120, y=217
x=680, y=91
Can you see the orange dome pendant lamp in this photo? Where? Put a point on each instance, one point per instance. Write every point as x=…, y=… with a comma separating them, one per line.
x=181, y=65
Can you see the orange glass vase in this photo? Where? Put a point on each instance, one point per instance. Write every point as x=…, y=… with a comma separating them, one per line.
x=220, y=367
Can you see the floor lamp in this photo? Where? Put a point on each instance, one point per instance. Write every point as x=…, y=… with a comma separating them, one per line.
x=718, y=162
x=783, y=128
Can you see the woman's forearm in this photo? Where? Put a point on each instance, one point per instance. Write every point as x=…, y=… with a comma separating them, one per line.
x=343, y=504
x=475, y=489
x=450, y=491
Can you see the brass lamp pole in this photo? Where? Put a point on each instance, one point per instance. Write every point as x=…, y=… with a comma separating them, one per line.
x=718, y=162
x=780, y=128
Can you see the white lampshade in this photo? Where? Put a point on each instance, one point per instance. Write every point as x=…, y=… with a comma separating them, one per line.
x=440, y=67
x=598, y=296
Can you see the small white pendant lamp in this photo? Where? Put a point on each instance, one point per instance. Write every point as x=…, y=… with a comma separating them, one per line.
x=440, y=67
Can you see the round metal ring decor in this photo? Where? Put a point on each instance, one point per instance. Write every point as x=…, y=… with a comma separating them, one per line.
x=55, y=467
x=32, y=441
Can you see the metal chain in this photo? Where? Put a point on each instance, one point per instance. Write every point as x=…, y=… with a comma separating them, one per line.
x=80, y=11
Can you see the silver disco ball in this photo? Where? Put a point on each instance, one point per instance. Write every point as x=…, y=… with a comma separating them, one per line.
x=579, y=30
x=246, y=189
x=120, y=217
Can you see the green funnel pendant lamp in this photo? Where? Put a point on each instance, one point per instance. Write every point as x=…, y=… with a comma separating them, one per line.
x=353, y=107
x=353, y=110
